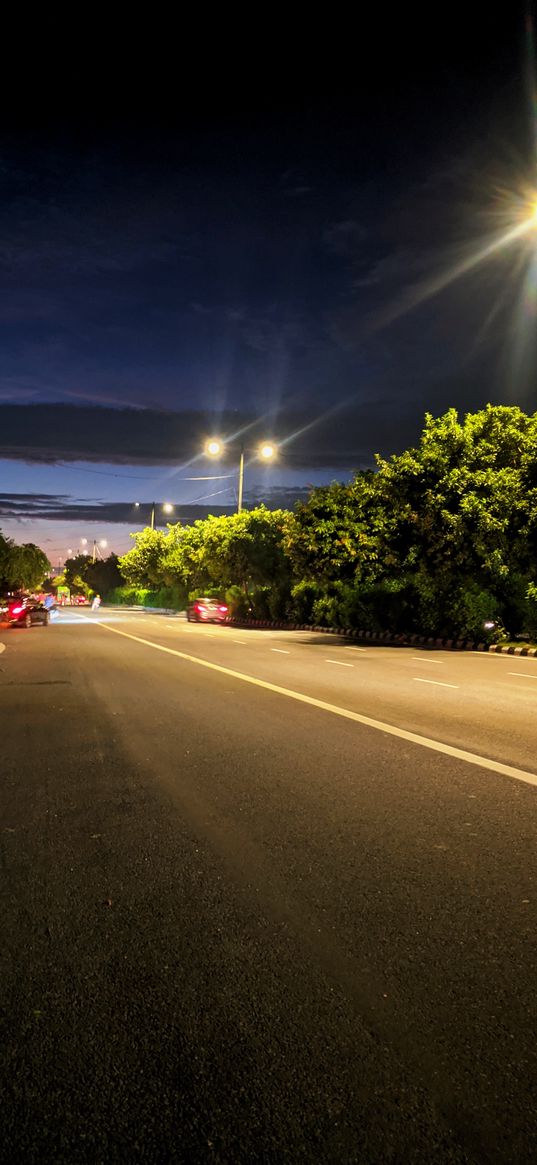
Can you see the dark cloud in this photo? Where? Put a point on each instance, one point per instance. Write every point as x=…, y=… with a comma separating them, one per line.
x=343, y=437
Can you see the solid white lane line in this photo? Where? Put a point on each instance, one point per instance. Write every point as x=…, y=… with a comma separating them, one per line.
x=241, y=641
x=421, y=659
x=339, y=662
x=280, y=651
x=525, y=675
x=471, y=758
x=437, y=683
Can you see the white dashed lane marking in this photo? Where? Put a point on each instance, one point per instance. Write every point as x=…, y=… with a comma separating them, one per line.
x=437, y=683
x=522, y=674
x=336, y=710
x=339, y=662
x=420, y=659
x=280, y=651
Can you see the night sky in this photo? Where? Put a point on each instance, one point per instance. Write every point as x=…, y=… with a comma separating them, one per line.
x=254, y=241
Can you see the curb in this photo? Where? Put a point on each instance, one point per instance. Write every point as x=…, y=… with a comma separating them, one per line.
x=386, y=637
x=380, y=637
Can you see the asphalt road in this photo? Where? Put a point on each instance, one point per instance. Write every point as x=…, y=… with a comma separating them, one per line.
x=265, y=896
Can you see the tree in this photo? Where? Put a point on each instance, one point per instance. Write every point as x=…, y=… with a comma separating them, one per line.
x=462, y=510
x=334, y=535
x=6, y=548
x=103, y=575
x=23, y=567
x=142, y=565
x=74, y=572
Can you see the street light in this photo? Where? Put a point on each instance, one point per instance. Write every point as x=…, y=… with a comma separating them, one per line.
x=215, y=447
x=102, y=544
x=166, y=507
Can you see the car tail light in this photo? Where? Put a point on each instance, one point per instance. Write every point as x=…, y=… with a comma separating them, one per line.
x=16, y=610
x=224, y=609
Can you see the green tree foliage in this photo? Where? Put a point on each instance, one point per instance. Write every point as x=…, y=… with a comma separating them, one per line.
x=142, y=565
x=335, y=534
x=463, y=515
x=244, y=551
x=441, y=538
x=22, y=567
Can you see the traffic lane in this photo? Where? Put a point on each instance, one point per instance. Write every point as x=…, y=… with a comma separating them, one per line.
x=483, y=714
x=412, y=876
x=166, y=997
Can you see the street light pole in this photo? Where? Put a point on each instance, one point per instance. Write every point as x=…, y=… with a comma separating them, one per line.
x=215, y=447
x=153, y=515
x=241, y=480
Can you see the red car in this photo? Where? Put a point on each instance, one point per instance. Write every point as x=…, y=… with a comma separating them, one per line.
x=207, y=611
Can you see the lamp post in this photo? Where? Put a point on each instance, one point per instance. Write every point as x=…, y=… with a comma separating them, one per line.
x=96, y=548
x=266, y=451
x=167, y=508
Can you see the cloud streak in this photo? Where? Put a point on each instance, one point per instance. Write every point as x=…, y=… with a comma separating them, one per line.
x=24, y=507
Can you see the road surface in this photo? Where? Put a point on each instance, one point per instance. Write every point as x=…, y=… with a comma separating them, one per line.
x=266, y=896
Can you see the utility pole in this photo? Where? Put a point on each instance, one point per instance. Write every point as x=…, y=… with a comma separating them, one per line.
x=241, y=480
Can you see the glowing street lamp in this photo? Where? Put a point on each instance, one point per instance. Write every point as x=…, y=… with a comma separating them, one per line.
x=215, y=447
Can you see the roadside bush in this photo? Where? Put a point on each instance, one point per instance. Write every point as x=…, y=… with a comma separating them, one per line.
x=238, y=602
x=300, y=604
x=127, y=596
x=326, y=611
x=471, y=607
x=174, y=597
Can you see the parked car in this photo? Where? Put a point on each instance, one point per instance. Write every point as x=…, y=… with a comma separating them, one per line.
x=207, y=611
x=79, y=601
x=26, y=611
